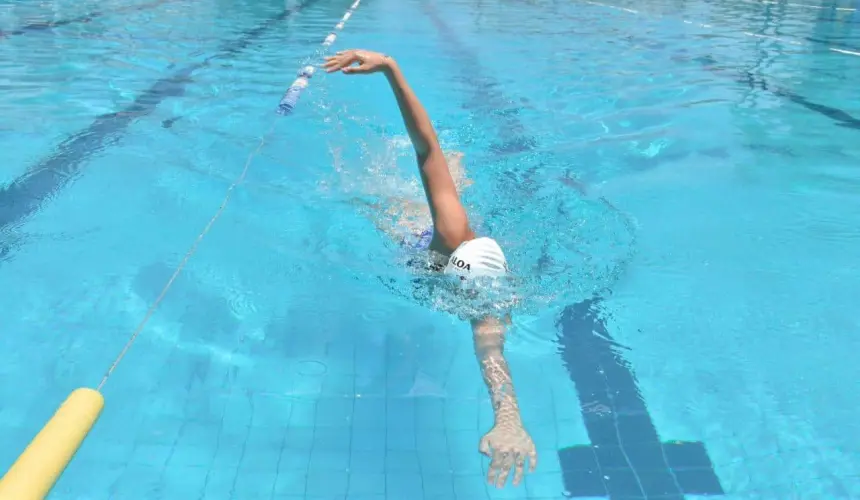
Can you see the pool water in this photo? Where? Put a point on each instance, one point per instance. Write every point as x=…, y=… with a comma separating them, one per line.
x=675, y=182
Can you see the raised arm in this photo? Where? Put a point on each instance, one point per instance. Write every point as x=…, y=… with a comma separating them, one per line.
x=450, y=221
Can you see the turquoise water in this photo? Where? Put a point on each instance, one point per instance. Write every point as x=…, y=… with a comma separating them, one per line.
x=690, y=163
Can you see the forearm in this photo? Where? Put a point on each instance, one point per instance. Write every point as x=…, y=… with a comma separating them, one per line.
x=414, y=115
x=497, y=376
x=489, y=343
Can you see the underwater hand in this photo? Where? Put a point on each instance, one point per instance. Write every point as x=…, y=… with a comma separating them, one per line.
x=508, y=446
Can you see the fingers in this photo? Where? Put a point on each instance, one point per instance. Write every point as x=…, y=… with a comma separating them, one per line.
x=361, y=69
x=340, y=60
x=344, y=54
x=506, y=461
x=493, y=471
x=506, y=457
x=518, y=469
x=500, y=467
x=503, y=461
x=333, y=63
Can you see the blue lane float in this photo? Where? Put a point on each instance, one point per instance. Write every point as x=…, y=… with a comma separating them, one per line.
x=291, y=97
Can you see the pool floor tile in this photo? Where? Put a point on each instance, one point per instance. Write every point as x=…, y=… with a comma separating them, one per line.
x=366, y=484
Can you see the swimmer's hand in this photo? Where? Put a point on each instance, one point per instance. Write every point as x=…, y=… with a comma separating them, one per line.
x=368, y=62
x=509, y=446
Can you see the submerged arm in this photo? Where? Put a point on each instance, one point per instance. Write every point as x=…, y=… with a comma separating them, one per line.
x=489, y=338
x=507, y=444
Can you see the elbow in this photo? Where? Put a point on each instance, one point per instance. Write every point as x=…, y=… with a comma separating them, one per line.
x=451, y=238
x=489, y=339
x=486, y=351
x=425, y=147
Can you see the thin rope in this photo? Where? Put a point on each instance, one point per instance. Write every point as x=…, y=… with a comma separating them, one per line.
x=186, y=258
x=332, y=36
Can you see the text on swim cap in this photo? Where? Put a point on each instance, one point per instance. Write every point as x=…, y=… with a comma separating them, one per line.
x=461, y=264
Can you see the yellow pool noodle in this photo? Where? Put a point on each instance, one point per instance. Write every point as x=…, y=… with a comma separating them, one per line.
x=33, y=475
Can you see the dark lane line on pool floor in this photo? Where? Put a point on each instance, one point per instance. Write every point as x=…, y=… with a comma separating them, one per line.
x=486, y=95
x=840, y=117
x=47, y=25
x=27, y=193
x=626, y=458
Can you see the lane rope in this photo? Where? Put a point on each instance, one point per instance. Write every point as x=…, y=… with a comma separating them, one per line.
x=291, y=98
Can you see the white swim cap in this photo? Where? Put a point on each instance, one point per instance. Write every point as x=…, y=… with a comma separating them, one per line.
x=477, y=258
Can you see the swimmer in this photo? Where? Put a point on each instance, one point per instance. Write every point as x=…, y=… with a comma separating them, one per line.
x=454, y=250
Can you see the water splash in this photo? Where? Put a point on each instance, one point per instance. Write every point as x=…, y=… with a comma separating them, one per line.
x=562, y=244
